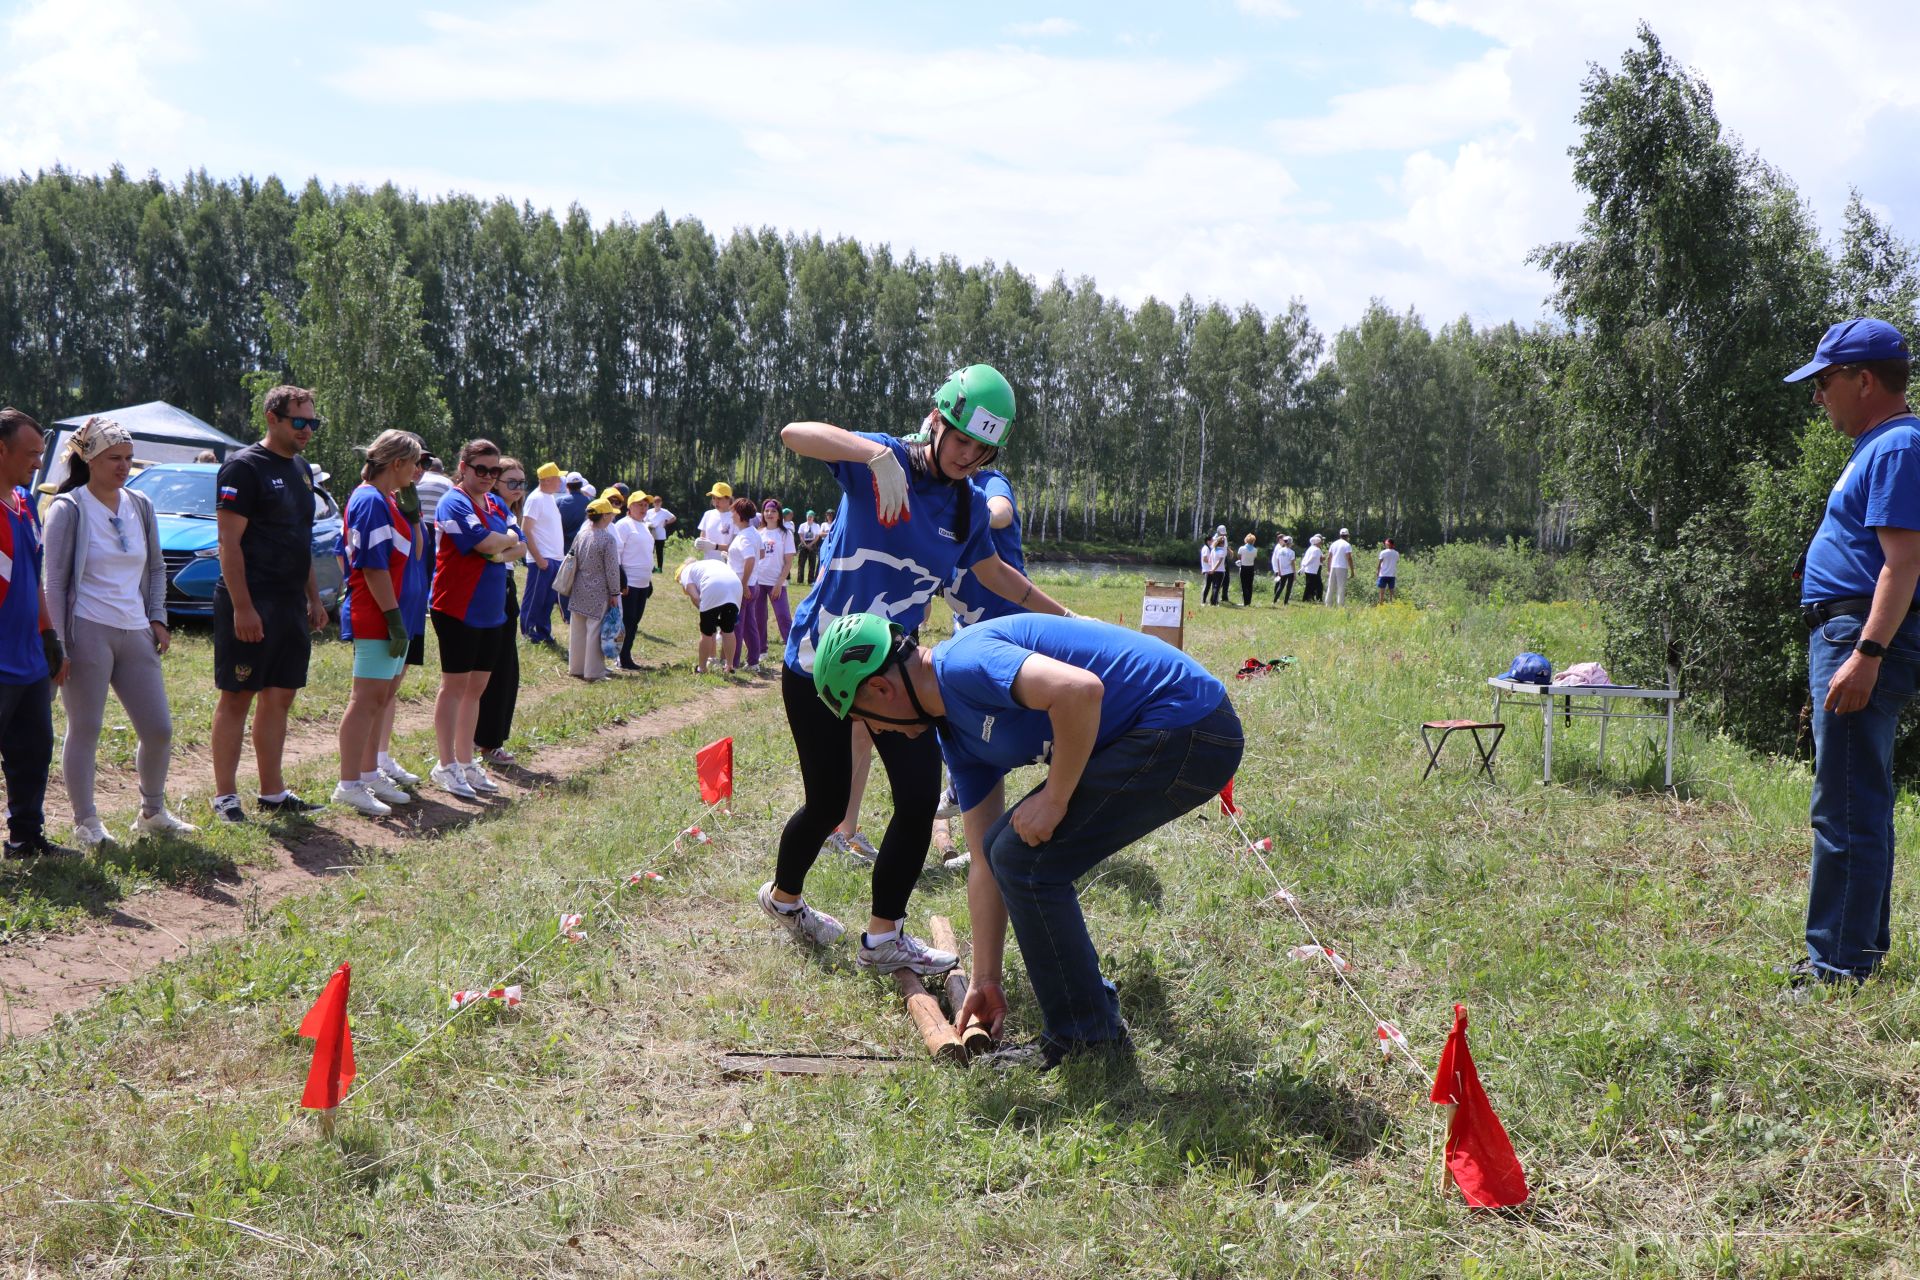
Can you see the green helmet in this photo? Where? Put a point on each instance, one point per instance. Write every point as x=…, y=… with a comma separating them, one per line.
x=978, y=402
x=853, y=647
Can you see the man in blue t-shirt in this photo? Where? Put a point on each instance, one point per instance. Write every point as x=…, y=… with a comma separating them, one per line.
x=31, y=660
x=1133, y=733
x=1857, y=596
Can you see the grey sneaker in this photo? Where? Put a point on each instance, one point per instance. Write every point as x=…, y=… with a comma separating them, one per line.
x=806, y=924
x=904, y=951
x=854, y=846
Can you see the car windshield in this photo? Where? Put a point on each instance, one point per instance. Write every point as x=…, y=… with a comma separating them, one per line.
x=177, y=493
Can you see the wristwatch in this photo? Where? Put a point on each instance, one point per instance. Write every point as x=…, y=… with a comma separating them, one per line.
x=1871, y=648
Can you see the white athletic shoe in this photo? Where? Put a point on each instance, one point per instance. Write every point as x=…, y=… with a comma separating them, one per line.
x=806, y=924
x=904, y=951
x=388, y=792
x=161, y=823
x=959, y=861
x=478, y=779
x=451, y=778
x=90, y=833
x=949, y=803
x=399, y=775
x=355, y=795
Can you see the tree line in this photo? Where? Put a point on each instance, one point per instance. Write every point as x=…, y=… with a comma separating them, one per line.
x=658, y=352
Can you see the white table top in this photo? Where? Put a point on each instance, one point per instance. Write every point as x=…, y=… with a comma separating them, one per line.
x=1574, y=690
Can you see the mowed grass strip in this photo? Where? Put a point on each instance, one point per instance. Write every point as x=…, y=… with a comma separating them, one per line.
x=1613, y=944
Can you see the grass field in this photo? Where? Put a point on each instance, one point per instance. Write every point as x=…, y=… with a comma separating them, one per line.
x=1612, y=942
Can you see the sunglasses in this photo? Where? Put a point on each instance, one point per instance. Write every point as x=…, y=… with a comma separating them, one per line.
x=485, y=473
x=120, y=533
x=1825, y=376
x=304, y=424
x=514, y=484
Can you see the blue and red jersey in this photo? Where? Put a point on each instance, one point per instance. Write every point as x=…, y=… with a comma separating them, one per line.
x=467, y=585
x=22, y=659
x=378, y=537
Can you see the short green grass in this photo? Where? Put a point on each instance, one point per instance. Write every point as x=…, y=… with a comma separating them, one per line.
x=1612, y=942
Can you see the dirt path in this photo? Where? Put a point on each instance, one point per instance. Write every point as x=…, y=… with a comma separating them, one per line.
x=42, y=977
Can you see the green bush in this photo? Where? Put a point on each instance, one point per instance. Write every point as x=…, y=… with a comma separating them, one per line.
x=1470, y=573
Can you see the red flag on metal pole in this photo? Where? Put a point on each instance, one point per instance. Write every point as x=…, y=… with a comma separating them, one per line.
x=332, y=1071
x=1480, y=1156
x=1227, y=807
x=715, y=765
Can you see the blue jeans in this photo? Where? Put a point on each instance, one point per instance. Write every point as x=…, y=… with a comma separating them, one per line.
x=536, y=606
x=26, y=755
x=1133, y=786
x=1849, y=894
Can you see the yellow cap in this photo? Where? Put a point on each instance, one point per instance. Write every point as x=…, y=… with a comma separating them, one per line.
x=548, y=471
x=721, y=490
x=636, y=496
x=600, y=507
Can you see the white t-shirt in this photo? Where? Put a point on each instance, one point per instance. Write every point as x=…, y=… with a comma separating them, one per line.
x=1340, y=554
x=744, y=547
x=1310, y=562
x=1249, y=555
x=657, y=519
x=540, y=517
x=635, y=541
x=111, y=592
x=809, y=531
x=716, y=583
x=717, y=527
x=1282, y=560
x=1206, y=557
x=770, y=569
x=1389, y=562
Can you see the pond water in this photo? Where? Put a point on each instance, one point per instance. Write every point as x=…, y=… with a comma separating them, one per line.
x=1106, y=570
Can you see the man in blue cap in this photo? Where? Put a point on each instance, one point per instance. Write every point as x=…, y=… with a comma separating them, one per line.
x=1857, y=597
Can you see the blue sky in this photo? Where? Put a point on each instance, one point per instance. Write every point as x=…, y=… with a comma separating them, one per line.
x=1246, y=150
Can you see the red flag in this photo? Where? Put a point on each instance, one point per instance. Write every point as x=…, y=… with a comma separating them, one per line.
x=715, y=763
x=326, y=1025
x=1479, y=1155
x=1227, y=807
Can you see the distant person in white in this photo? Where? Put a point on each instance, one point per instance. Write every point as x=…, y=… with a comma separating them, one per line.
x=716, y=526
x=1283, y=570
x=714, y=588
x=1339, y=569
x=1387, y=574
x=1313, y=589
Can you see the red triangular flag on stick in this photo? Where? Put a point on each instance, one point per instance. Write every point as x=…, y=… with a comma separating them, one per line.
x=715, y=763
x=1227, y=806
x=1479, y=1155
x=326, y=1025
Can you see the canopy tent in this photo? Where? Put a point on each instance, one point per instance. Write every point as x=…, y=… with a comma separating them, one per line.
x=161, y=433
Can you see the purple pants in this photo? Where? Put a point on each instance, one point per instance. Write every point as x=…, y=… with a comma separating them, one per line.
x=753, y=622
x=782, y=614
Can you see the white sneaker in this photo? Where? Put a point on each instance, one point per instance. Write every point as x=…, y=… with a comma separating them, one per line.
x=959, y=861
x=387, y=791
x=451, y=778
x=90, y=833
x=478, y=779
x=399, y=775
x=904, y=951
x=806, y=924
x=949, y=803
x=355, y=795
x=161, y=823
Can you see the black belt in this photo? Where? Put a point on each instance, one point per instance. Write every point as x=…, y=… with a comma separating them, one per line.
x=1821, y=612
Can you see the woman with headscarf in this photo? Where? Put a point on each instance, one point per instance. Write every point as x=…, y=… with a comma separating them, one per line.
x=1312, y=588
x=596, y=591
x=106, y=588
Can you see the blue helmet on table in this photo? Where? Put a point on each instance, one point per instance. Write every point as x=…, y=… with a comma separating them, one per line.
x=1529, y=668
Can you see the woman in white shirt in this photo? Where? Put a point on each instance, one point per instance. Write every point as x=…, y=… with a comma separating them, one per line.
x=714, y=589
x=1249, y=556
x=1313, y=589
x=633, y=535
x=744, y=554
x=776, y=532
x=106, y=586
x=658, y=520
x=1206, y=572
x=1283, y=570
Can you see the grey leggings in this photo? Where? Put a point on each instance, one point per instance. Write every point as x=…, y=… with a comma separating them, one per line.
x=102, y=656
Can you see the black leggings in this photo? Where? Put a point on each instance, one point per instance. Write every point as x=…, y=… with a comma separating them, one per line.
x=1314, y=588
x=825, y=745
x=633, y=607
x=1246, y=584
x=1283, y=587
x=502, y=694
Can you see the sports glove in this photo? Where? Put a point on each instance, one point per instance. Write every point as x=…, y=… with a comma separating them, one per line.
x=397, y=638
x=889, y=488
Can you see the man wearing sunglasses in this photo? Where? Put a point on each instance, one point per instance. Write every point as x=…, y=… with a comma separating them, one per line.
x=1858, y=599
x=267, y=604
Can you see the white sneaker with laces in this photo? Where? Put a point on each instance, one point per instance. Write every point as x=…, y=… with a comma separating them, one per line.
x=451, y=778
x=805, y=923
x=478, y=778
x=949, y=803
x=904, y=951
x=161, y=823
x=355, y=795
x=387, y=791
x=861, y=847
x=90, y=833
x=399, y=775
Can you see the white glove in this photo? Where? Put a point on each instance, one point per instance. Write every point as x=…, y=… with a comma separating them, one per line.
x=701, y=544
x=889, y=487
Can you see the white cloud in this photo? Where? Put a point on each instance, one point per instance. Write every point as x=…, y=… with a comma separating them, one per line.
x=1266, y=8
x=1461, y=101
x=1046, y=27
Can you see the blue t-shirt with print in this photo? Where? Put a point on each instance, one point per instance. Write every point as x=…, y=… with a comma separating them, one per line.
x=970, y=599
x=22, y=659
x=866, y=567
x=1149, y=685
x=1880, y=488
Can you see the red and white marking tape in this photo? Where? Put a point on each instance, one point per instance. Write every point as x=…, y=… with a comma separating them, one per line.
x=509, y=996
x=570, y=930
x=1310, y=951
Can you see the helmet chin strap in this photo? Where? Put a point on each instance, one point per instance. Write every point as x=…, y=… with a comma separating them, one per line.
x=920, y=713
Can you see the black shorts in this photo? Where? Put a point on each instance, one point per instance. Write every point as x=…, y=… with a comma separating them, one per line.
x=464, y=649
x=278, y=660
x=722, y=617
x=417, y=651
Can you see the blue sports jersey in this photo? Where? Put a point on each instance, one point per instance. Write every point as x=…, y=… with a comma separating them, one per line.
x=866, y=567
x=1880, y=488
x=971, y=601
x=419, y=576
x=1149, y=685
x=378, y=537
x=467, y=585
x=22, y=659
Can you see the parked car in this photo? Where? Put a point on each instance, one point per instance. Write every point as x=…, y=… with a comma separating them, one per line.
x=183, y=496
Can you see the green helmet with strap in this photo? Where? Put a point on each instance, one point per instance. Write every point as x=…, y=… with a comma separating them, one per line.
x=852, y=648
x=977, y=401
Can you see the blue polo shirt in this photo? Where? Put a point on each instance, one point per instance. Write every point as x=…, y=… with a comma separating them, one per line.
x=1879, y=489
x=986, y=734
x=971, y=600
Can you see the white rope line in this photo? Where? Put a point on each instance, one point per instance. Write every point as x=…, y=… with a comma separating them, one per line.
x=1286, y=897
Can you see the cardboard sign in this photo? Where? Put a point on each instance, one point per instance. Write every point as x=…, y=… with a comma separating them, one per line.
x=1163, y=612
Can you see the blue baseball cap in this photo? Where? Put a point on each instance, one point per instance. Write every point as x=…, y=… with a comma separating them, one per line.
x=1853, y=342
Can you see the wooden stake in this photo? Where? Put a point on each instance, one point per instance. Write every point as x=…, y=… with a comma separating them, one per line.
x=974, y=1039
x=935, y=1031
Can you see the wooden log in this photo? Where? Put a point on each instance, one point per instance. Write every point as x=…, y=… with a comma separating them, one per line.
x=747, y=1066
x=975, y=1039
x=935, y=1031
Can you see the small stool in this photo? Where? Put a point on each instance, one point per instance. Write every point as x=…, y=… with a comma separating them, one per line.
x=1448, y=728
